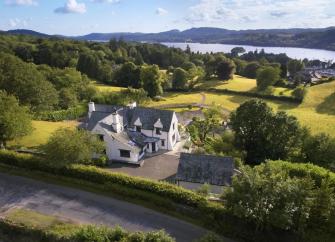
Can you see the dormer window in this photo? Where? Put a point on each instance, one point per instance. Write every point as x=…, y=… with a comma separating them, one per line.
x=138, y=129
x=158, y=131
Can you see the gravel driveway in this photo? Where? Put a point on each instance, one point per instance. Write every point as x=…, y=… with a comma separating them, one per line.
x=85, y=207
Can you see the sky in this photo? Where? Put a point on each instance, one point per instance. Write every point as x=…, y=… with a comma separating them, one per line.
x=77, y=17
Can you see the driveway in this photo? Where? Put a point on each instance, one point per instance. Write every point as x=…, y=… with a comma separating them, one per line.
x=158, y=167
x=85, y=207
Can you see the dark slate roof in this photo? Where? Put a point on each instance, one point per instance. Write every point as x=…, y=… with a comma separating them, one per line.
x=147, y=116
x=141, y=139
x=95, y=118
x=214, y=170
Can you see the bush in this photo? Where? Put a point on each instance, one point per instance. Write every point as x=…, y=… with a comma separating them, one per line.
x=69, y=114
x=299, y=92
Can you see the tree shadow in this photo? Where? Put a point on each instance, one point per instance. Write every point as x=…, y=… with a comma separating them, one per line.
x=327, y=106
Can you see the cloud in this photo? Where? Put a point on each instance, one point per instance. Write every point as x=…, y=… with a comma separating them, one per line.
x=16, y=22
x=260, y=13
x=71, y=6
x=20, y=2
x=161, y=11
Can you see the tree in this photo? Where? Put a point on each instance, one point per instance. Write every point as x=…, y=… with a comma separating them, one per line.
x=320, y=150
x=179, y=79
x=66, y=146
x=128, y=75
x=294, y=66
x=151, y=80
x=251, y=69
x=267, y=76
x=225, y=69
x=264, y=134
x=26, y=83
x=268, y=196
x=236, y=51
x=15, y=121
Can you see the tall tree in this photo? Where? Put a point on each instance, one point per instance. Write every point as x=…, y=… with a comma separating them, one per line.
x=264, y=134
x=151, y=80
x=267, y=76
x=225, y=69
x=179, y=79
x=294, y=66
x=15, y=121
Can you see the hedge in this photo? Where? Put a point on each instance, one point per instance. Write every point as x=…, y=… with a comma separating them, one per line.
x=13, y=231
x=163, y=196
x=60, y=115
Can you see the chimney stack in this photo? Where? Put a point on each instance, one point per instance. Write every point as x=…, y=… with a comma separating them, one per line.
x=91, y=108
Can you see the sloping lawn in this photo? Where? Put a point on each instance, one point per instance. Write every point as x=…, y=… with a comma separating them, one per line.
x=106, y=88
x=242, y=84
x=41, y=133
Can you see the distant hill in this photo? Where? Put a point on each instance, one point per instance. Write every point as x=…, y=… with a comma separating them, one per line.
x=322, y=38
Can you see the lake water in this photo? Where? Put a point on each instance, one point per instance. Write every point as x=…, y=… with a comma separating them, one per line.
x=295, y=53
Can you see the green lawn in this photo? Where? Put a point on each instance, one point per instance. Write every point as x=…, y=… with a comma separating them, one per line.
x=106, y=88
x=41, y=132
x=242, y=84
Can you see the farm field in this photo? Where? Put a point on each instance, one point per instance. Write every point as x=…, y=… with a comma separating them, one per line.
x=41, y=133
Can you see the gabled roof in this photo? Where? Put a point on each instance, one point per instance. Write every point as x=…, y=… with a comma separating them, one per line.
x=147, y=116
x=214, y=170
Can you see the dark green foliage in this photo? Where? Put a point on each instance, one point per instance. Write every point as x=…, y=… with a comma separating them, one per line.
x=151, y=80
x=320, y=150
x=294, y=66
x=225, y=69
x=67, y=146
x=299, y=92
x=69, y=114
x=264, y=134
x=26, y=83
x=15, y=121
x=180, y=79
x=128, y=75
x=251, y=69
x=266, y=77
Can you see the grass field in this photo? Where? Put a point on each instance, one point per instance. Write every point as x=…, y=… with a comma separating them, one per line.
x=106, y=88
x=242, y=84
x=41, y=133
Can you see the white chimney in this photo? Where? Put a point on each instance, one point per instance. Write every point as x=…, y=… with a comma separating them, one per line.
x=91, y=108
x=116, y=122
x=132, y=105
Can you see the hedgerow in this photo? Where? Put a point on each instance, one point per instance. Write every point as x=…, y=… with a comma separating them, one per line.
x=60, y=115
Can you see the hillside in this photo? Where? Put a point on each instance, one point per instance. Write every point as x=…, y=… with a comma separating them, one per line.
x=321, y=38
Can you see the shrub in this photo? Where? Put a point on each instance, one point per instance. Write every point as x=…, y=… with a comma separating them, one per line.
x=299, y=92
x=60, y=115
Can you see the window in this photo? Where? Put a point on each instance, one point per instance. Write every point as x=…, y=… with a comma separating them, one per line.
x=101, y=137
x=163, y=142
x=174, y=126
x=173, y=137
x=148, y=146
x=104, y=152
x=138, y=128
x=158, y=131
x=125, y=153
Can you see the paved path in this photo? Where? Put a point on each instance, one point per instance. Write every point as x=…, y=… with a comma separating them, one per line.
x=87, y=207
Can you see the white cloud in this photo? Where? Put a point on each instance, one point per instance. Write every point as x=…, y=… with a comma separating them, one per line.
x=161, y=11
x=20, y=2
x=262, y=13
x=16, y=22
x=72, y=6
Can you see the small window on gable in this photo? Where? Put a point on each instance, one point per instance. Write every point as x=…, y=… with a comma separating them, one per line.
x=125, y=153
x=138, y=128
x=101, y=137
x=158, y=131
x=163, y=142
x=174, y=126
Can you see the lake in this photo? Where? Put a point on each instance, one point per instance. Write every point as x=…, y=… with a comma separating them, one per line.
x=295, y=53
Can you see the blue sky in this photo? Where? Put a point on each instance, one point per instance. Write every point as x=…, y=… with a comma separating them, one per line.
x=74, y=17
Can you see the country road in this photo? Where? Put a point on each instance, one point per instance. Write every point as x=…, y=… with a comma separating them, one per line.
x=87, y=207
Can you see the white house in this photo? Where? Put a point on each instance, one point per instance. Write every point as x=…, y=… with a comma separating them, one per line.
x=130, y=131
